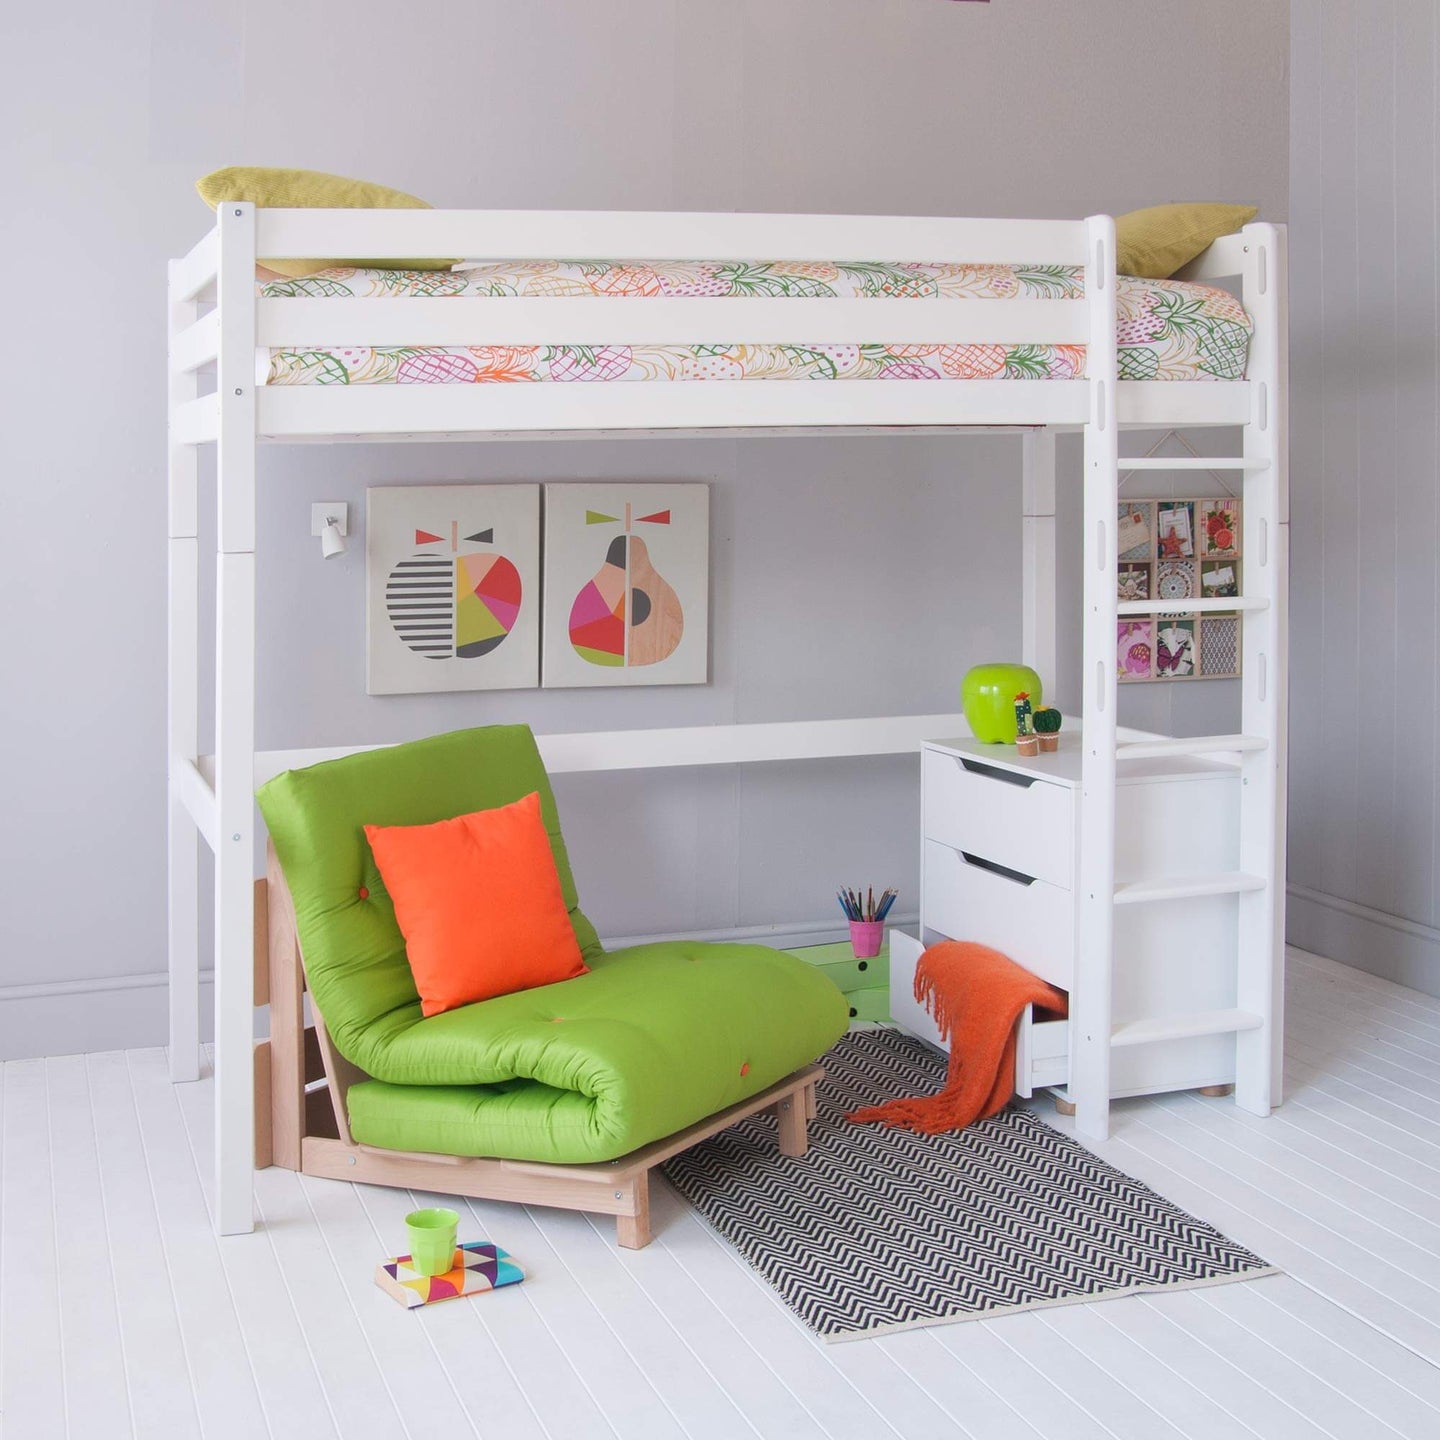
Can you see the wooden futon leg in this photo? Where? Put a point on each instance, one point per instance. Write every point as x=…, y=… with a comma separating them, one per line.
x=632, y=1232
x=792, y=1119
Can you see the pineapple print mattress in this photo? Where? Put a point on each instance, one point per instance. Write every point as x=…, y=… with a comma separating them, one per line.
x=1168, y=329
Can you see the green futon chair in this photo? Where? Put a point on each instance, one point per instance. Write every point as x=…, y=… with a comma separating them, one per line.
x=567, y=1094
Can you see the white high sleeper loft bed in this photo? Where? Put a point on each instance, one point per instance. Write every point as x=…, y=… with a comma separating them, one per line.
x=221, y=323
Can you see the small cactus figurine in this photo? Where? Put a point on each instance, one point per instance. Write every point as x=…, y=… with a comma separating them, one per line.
x=1047, y=722
x=1025, y=739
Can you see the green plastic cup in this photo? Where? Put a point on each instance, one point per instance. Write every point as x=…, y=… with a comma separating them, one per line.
x=431, y=1234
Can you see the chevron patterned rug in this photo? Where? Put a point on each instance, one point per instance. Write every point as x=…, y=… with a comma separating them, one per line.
x=878, y=1229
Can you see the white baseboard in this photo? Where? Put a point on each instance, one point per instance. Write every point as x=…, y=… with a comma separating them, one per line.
x=126, y=1012
x=81, y=1017
x=1390, y=946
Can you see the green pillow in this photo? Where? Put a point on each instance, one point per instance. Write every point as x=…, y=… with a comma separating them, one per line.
x=1157, y=242
x=278, y=189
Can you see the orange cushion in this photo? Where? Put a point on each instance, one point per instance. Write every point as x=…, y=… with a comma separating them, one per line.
x=478, y=900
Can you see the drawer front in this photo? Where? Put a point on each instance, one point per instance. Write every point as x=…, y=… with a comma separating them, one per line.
x=853, y=974
x=837, y=963
x=992, y=812
x=905, y=1010
x=1029, y=920
x=872, y=1003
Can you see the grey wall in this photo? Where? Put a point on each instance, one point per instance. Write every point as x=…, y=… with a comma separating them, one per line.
x=110, y=112
x=1365, y=886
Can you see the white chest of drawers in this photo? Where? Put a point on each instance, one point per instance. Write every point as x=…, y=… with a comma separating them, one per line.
x=999, y=865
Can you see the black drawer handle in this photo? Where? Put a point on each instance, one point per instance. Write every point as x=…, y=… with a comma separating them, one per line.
x=1004, y=871
x=994, y=772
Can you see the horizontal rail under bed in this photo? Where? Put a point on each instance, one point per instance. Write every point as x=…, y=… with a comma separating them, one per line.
x=425, y=412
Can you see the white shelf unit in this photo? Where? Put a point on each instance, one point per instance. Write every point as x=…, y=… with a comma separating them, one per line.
x=216, y=320
x=1002, y=838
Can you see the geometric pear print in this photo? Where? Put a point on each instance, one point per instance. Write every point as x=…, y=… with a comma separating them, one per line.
x=627, y=584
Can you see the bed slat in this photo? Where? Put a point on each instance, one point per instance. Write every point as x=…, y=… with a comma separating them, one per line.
x=288, y=411
x=651, y=235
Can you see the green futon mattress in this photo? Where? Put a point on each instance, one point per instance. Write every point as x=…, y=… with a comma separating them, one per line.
x=655, y=1038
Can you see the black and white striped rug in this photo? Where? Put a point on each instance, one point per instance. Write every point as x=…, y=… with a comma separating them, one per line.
x=878, y=1229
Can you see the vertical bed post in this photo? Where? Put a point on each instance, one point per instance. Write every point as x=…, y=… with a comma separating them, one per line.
x=1090, y=1000
x=235, y=725
x=1037, y=648
x=182, y=706
x=1259, y=1055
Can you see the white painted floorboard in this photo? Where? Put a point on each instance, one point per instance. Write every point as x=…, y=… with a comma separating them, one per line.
x=122, y=1316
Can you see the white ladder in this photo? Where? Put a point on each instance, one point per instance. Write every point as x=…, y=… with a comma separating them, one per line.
x=1255, y=1020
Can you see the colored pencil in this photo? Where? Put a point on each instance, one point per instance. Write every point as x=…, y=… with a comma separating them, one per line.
x=861, y=905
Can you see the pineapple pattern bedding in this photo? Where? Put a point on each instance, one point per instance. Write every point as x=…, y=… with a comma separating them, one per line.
x=1167, y=330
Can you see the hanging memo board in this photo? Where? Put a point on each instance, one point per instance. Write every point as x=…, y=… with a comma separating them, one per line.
x=1181, y=550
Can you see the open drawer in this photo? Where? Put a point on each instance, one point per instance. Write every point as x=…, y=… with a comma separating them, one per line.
x=1042, y=1053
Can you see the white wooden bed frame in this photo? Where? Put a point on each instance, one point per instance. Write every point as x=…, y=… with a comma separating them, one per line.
x=216, y=320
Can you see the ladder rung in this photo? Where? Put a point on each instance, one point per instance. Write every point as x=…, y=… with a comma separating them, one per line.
x=1198, y=462
x=1184, y=1027
x=1194, y=745
x=1189, y=607
x=1186, y=887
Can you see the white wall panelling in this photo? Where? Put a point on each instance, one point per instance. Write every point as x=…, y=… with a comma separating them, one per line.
x=1365, y=550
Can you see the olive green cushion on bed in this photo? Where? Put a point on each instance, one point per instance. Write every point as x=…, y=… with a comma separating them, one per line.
x=272, y=188
x=1156, y=242
x=655, y=1038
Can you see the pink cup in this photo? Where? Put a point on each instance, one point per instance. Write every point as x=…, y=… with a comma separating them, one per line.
x=866, y=937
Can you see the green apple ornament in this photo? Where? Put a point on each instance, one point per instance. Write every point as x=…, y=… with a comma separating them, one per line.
x=987, y=695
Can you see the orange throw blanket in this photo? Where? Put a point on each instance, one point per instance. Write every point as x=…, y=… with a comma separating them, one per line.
x=976, y=995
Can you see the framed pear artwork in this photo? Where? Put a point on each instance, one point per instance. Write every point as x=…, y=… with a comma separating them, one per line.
x=627, y=585
x=452, y=588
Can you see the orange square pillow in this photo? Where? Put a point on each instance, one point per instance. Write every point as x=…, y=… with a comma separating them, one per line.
x=478, y=900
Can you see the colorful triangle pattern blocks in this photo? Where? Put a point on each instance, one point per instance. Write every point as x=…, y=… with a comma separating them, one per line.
x=479, y=1266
